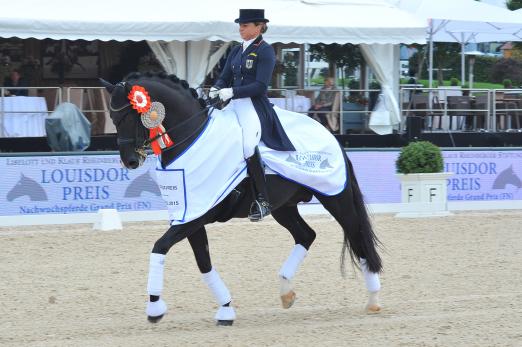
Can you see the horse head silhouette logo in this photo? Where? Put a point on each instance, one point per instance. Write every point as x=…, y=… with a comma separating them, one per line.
x=27, y=187
x=506, y=177
x=142, y=183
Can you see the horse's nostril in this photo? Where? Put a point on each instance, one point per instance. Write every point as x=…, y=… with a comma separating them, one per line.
x=133, y=164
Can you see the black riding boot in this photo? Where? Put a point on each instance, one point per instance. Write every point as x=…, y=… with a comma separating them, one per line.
x=260, y=207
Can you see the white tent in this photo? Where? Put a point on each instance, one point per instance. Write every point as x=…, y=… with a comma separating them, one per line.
x=179, y=33
x=463, y=21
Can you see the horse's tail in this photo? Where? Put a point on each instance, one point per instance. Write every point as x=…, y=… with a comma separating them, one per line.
x=360, y=243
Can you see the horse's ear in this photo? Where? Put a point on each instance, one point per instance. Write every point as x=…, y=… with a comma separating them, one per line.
x=108, y=85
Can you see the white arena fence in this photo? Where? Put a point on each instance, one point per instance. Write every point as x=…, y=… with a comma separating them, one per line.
x=65, y=188
x=441, y=109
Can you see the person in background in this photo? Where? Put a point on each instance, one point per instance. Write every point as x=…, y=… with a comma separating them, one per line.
x=324, y=102
x=15, y=80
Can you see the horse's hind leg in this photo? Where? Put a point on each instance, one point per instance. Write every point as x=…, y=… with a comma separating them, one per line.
x=199, y=243
x=349, y=211
x=303, y=236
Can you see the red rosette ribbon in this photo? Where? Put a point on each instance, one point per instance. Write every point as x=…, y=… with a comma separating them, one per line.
x=139, y=99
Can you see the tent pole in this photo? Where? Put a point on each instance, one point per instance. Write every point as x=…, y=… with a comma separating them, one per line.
x=430, y=60
x=462, y=62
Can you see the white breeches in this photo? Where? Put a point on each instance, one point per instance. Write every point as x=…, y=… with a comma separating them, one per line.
x=249, y=120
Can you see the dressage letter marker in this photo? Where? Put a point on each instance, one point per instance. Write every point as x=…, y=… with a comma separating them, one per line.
x=107, y=219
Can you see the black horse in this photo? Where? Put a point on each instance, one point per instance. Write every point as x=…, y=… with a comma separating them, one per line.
x=185, y=117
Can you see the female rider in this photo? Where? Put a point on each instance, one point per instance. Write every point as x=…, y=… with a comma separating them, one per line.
x=245, y=79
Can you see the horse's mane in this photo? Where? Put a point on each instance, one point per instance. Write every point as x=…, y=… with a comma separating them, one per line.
x=171, y=81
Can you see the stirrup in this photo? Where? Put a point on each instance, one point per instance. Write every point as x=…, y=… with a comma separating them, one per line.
x=259, y=210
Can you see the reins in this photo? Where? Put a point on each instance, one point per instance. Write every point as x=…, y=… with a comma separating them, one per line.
x=211, y=104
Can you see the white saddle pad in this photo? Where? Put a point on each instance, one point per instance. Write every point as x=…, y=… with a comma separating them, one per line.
x=207, y=171
x=318, y=161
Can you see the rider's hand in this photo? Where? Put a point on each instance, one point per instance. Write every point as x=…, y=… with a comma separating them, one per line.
x=213, y=92
x=225, y=94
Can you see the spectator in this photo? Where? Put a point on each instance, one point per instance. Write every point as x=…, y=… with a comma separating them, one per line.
x=324, y=101
x=15, y=80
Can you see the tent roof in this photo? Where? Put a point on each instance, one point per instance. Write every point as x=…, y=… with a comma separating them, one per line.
x=466, y=20
x=307, y=21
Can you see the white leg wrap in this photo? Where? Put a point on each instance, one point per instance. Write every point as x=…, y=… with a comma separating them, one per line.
x=217, y=287
x=225, y=313
x=286, y=285
x=373, y=284
x=157, y=308
x=156, y=265
x=293, y=262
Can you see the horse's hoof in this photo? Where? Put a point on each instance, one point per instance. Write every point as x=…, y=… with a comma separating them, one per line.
x=224, y=323
x=154, y=319
x=288, y=299
x=373, y=309
x=156, y=310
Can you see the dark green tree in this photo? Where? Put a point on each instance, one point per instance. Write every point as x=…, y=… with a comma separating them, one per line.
x=417, y=61
x=345, y=56
x=446, y=55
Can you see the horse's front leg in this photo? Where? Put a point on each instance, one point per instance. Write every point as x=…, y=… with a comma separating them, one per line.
x=156, y=307
x=199, y=243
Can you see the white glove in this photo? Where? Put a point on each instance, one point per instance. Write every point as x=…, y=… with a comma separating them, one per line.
x=213, y=92
x=225, y=94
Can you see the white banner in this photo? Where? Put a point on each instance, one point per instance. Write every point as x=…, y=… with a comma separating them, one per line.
x=76, y=184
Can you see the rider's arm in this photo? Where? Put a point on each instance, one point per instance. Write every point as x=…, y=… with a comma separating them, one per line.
x=265, y=67
x=225, y=79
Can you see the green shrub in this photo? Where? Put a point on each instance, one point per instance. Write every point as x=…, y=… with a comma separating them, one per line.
x=454, y=81
x=420, y=157
x=506, y=69
x=507, y=83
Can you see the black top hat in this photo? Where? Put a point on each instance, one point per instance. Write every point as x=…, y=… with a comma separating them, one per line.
x=251, y=16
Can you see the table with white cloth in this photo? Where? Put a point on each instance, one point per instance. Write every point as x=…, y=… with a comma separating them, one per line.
x=23, y=116
x=296, y=103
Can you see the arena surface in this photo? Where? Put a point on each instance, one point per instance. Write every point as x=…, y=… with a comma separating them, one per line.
x=453, y=281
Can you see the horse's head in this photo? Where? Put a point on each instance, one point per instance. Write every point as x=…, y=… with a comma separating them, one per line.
x=27, y=187
x=142, y=183
x=145, y=107
x=507, y=176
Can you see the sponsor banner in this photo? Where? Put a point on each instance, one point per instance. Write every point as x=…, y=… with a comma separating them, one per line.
x=76, y=184
x=86, y=183
x=478, y=175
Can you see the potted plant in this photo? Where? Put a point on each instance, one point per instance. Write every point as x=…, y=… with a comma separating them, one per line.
x=423, y=183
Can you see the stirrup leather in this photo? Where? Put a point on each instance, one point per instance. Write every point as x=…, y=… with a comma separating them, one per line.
x=259, y=210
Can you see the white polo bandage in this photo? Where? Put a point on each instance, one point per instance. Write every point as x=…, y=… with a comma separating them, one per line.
x=293, y=262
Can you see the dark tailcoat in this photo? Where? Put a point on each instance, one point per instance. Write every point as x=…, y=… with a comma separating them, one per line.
x=249, y=74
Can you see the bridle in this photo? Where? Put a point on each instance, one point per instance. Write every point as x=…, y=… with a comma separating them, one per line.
x=211, y=105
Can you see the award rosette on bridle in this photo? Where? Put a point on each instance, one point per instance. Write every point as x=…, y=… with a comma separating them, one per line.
x=152, y=115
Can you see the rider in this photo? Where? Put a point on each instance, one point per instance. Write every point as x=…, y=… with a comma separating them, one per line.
x=245, y=79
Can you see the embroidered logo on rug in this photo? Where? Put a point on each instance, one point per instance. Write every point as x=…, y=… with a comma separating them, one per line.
x=310, y=161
